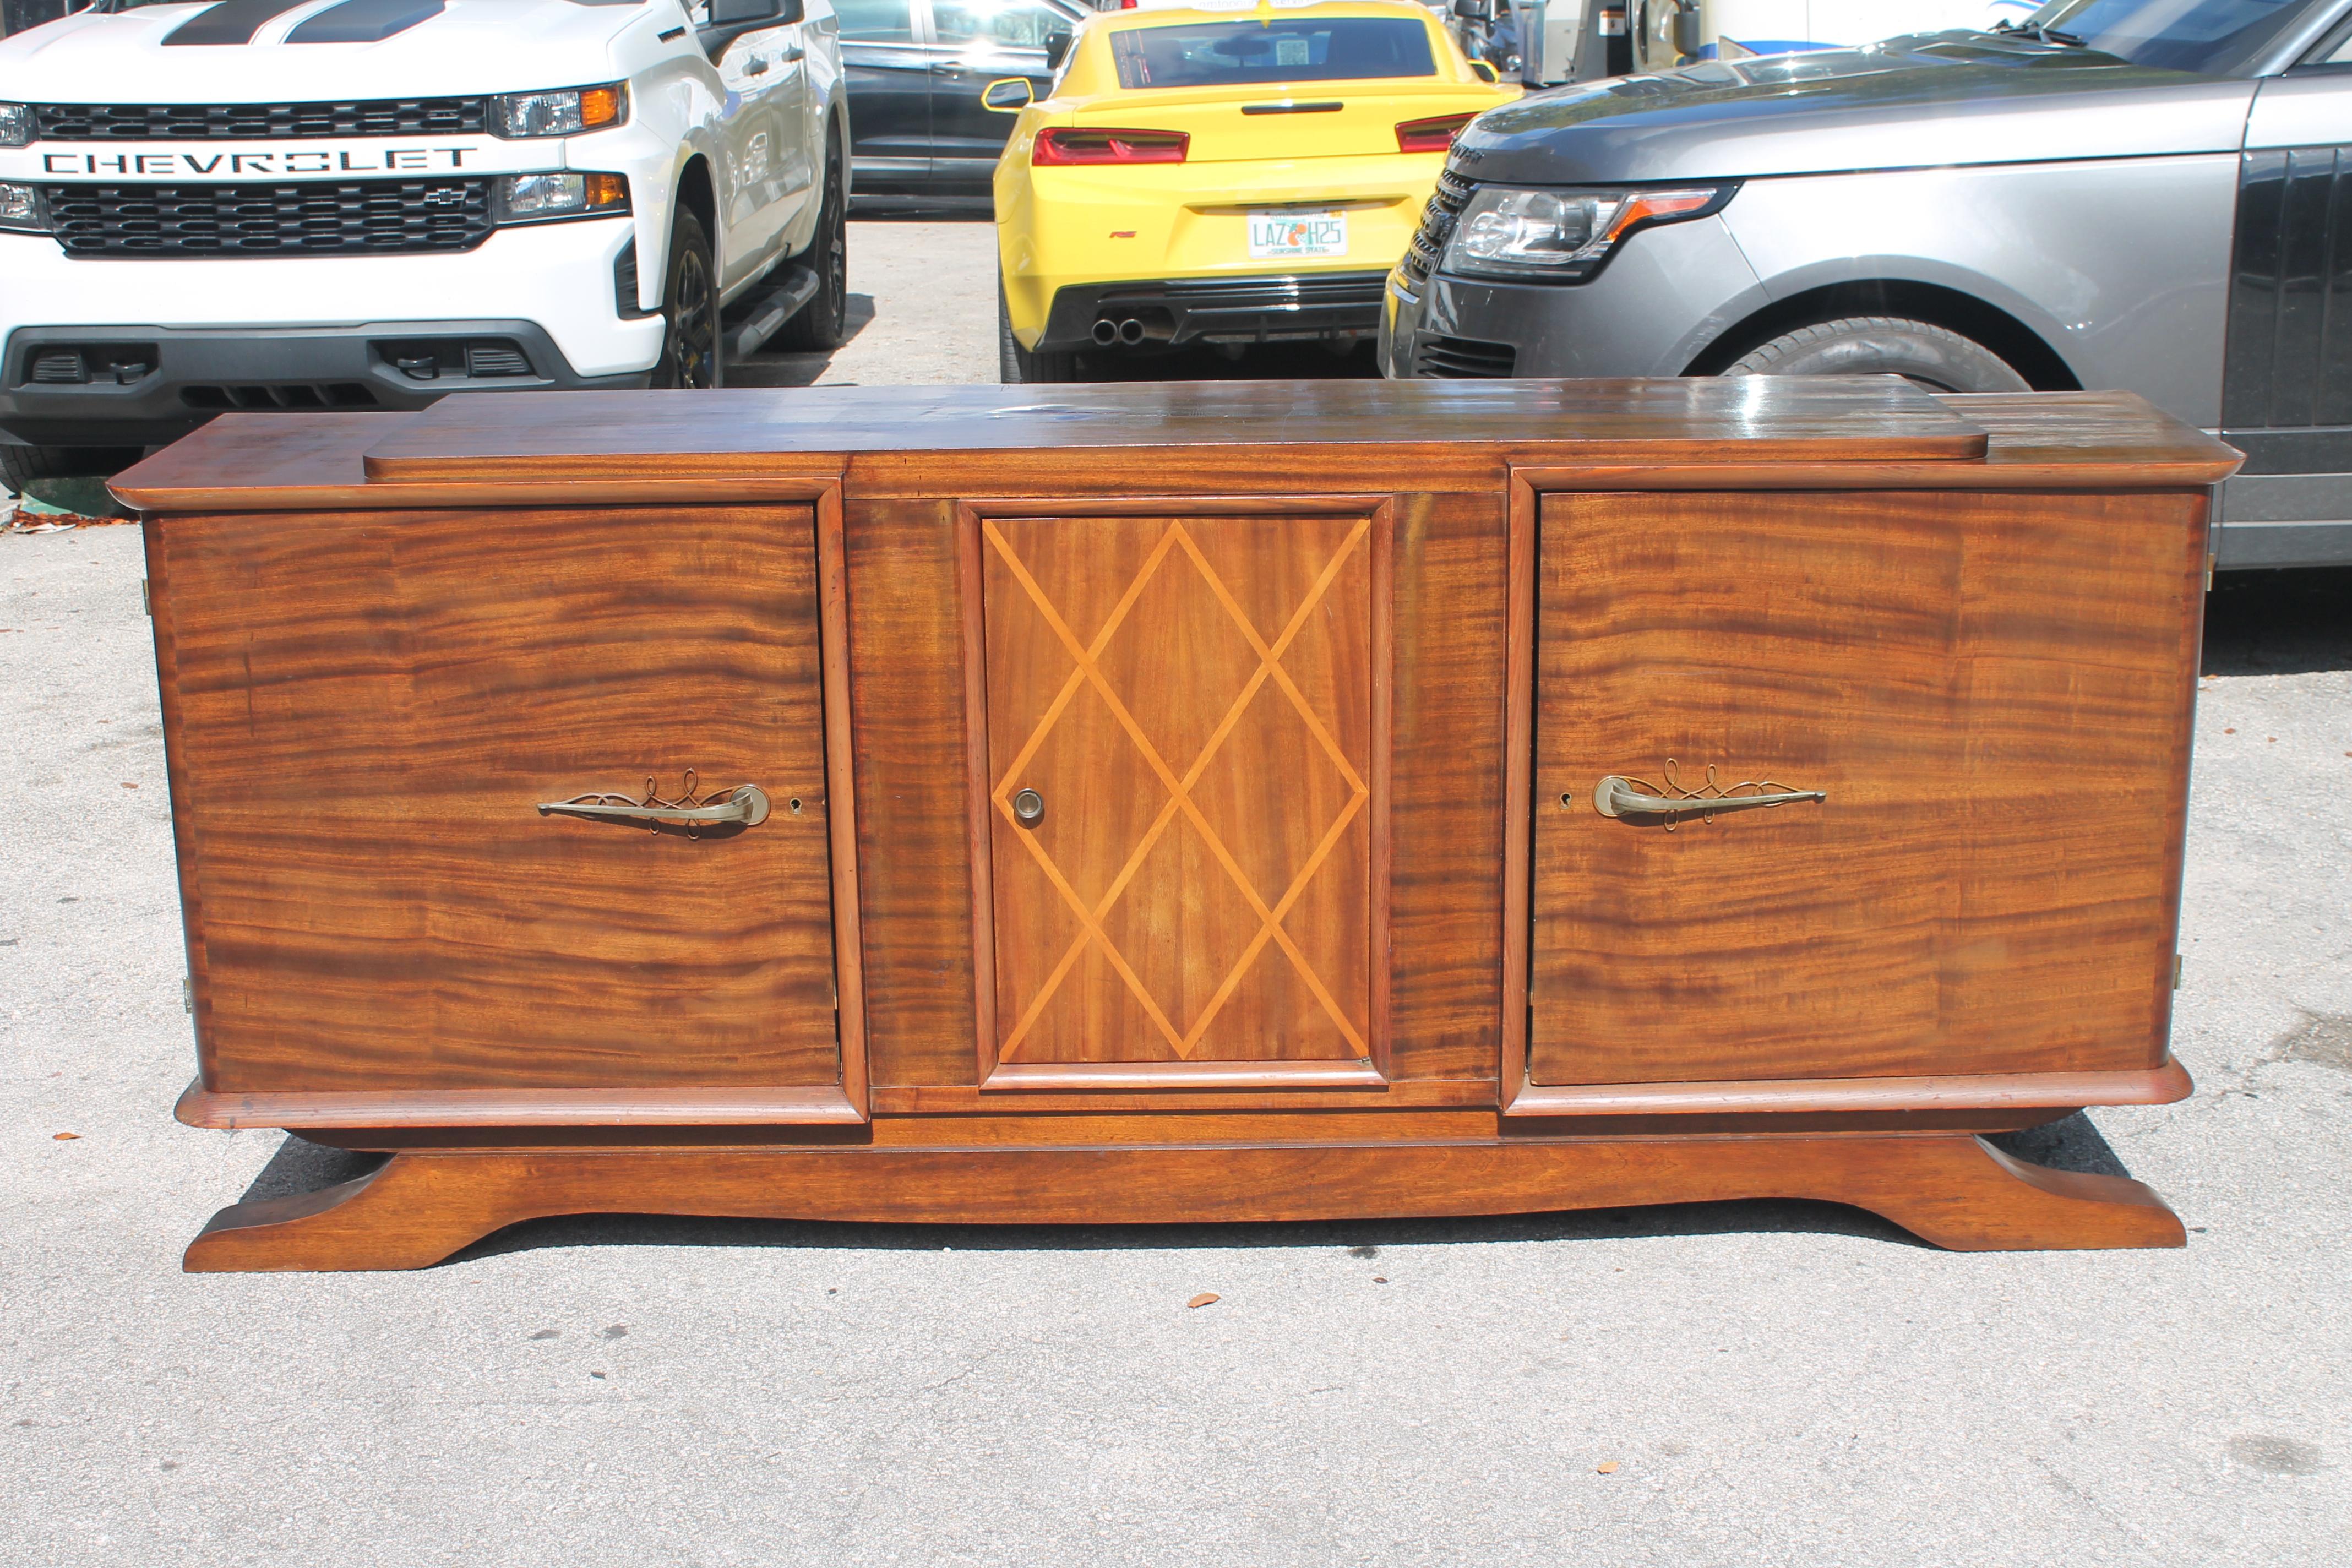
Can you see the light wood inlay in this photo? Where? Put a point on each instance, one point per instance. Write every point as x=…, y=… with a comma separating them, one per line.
x=1192, y=699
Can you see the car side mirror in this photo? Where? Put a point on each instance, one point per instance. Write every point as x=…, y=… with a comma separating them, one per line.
x=1483, y=72
x=726, y=20
x=1686, y=31
x=1009, y=96
x=1474, y=10
x=1058, y=50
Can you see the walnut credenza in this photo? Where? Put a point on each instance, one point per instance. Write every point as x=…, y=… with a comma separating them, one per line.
x=1247, y=801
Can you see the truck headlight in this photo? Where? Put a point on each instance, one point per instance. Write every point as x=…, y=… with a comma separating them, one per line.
x=537, y=198
x=15, y=125
x=20, y=208
x=567, y=112
x=1562, y=235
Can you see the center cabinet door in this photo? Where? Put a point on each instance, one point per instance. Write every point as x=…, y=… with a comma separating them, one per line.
x=1183, y=776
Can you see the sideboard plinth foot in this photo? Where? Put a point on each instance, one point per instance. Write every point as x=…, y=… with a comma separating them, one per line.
x=422, y=1205
x=411, y=1212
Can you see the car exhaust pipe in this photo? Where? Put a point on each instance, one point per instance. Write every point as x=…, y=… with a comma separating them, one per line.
x=1130, y=331
x=1105, y=332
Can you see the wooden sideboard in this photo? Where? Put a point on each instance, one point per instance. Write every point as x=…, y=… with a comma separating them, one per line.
x=1139, y=803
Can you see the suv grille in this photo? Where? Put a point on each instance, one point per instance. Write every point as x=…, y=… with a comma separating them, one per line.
x=1464, y=359
x=254, y=122
x=1437, y=220
x=373, y=217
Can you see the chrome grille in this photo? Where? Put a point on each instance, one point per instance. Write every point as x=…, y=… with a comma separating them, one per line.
x=256, y=121
x=320, y=218
x=1437, y=220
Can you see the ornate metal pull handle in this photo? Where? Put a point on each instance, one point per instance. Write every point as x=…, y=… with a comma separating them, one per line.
x=745, y=803
x=1617, y=795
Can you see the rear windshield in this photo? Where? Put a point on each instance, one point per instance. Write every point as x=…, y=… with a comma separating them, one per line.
x=1234, y=54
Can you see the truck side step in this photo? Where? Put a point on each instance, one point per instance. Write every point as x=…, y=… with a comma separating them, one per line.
x=764, y=314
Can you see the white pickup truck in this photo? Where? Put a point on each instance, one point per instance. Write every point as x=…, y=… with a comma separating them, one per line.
x=372, y=203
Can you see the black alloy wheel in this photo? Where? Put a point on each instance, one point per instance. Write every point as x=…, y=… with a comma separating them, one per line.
x=689, y=355
x=822, y=324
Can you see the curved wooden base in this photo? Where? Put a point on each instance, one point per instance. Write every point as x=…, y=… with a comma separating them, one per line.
x=1953, y=1190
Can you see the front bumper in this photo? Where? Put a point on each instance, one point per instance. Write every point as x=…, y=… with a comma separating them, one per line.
x=1662, y=298
x=1218, y=309
x=304, y=331
x=145, y=386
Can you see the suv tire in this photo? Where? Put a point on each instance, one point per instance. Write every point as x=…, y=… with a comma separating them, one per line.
x=1935, y=357
x=690, y=356
x=1017, y=365
x=20, y=466
x=822, y=324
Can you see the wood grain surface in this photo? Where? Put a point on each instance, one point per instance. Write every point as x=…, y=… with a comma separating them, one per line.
x=1190, y=699
x=1953, y=1190
x=367, y=712
x=1994, y=693
x=586, y=434
x=295, y=462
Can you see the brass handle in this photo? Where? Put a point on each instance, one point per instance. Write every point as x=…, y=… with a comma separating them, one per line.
x=1029, y=808
x=745, y=803
x=1617, y=795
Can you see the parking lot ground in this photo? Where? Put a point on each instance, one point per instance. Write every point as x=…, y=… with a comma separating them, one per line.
x=1768, y=1384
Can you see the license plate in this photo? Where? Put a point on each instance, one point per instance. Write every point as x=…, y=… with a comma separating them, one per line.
x=1278, y=235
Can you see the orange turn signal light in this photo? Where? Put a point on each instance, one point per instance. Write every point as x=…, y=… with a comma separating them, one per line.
x=607, y=191
x=601, y=106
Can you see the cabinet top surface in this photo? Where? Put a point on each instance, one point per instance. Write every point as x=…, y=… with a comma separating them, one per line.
x=507, y=444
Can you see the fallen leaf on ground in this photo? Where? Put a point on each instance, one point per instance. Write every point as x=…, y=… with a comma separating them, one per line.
x=1608, y=1467
x=130, y=786
x=1205, y=1298
x=64, y=1137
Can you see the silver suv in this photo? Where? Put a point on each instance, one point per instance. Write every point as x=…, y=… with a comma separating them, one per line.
x=2152, y=195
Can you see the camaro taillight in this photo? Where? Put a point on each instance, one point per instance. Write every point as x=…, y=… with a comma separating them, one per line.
x=1431, y=135
x=1077, y=145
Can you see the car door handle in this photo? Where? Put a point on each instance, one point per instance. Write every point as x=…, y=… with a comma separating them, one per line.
x=792, y=54
x=756, y=66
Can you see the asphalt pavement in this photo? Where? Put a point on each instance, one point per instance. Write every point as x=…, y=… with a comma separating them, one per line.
x=1769, y=1383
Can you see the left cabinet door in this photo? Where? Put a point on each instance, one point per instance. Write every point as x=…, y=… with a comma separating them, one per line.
x=365, y=716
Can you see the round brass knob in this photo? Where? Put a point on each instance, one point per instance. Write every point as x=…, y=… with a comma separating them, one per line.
x=1028, y=807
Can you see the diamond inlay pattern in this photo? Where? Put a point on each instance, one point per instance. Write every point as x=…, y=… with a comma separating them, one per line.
x=1192, y=699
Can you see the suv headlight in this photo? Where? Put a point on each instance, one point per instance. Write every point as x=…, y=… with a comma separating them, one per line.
x=20, y=208
x=567, y=112
x=1562, y=235
x=15, y=125
x=539, y=198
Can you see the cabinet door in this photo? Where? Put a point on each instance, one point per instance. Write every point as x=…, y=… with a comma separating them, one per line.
x=368, y=713
x=1992, y=694
x=1183, y=775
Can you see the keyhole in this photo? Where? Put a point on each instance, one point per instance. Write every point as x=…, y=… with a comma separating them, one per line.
x=1565, y=802
x=793, y=805
x=1029, y=807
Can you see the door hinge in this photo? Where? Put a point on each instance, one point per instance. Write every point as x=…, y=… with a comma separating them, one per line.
x=2176, y=972
x=2209, y=560
x=146, y=601
x=188, y=993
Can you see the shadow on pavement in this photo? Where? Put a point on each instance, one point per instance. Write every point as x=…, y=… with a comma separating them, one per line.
x=769, y=368
x=2279, y=623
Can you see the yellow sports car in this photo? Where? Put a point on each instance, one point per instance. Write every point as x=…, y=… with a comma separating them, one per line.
x=1229, y=171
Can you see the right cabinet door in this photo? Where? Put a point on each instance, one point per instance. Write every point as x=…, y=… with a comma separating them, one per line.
x=1991, y=693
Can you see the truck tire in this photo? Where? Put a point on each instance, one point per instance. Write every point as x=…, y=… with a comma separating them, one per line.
x=822, y=324
x=1017, y=365
x=690, y=356
x=20, y=466
x=1935, y=357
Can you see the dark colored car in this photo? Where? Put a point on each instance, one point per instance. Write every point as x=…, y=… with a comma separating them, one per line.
x=918, y=134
